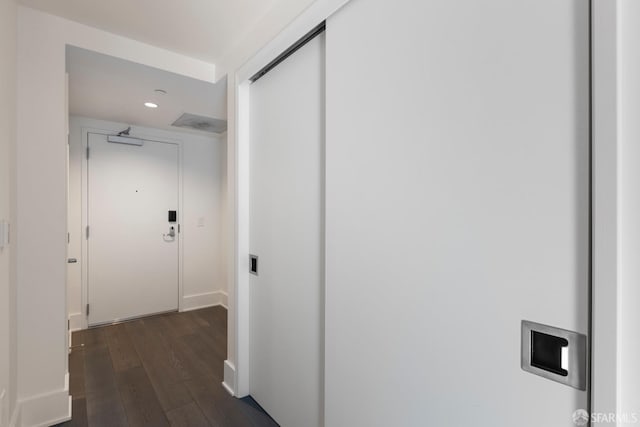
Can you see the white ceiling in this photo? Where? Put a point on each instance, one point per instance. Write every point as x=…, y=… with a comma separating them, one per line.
x=203, y=29
x=108, y=88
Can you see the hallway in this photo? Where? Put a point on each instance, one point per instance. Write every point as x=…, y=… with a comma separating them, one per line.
x=157, y=371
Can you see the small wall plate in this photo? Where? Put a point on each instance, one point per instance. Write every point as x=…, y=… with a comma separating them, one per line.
x=574, y=359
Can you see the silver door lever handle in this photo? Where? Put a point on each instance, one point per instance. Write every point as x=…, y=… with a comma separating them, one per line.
x=72, y=260
x=172, y=232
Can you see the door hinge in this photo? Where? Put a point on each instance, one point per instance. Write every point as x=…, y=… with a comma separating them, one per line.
x=178, y=228
x=68, y=238
x=87, y=309
x=87, y=232
x=68, y=324
x=87, y=153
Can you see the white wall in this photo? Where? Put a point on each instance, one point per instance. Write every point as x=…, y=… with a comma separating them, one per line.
x=41, y=196
x=203, y=189
x=629, y=199
x=205, y=249
x=8, y=17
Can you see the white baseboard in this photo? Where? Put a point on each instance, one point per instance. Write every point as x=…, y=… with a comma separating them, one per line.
x=229, y=377
x=209, y=299
x=77, y=322
x=224, y=299
x=44, y=410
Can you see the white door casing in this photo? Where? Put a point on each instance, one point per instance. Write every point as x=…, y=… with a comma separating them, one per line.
x=132, y=262
x=286, y=233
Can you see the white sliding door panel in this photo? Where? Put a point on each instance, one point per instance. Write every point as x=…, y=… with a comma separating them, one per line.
x=457, y=207
x=132, y=264
x=286, y=233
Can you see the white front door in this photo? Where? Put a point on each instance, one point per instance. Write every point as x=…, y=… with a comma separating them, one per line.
x=286, y=233
x=132, y=259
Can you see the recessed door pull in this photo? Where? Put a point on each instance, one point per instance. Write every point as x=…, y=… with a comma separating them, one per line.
x=253, y=264
x=72, y=260
x=553, y=353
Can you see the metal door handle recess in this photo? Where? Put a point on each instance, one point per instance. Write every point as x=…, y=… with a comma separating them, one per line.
x=72, y=260
x=253, y=264
x=556, y=354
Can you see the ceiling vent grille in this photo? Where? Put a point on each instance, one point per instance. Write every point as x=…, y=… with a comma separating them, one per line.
x=201, y=123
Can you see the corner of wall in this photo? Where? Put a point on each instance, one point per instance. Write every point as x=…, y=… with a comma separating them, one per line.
x=229, y=377
x=208, y=299
x=44, y=410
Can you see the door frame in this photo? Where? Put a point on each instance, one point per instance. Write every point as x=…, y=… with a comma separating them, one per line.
x=85, y=209
x=236, y=372
x=604, y=347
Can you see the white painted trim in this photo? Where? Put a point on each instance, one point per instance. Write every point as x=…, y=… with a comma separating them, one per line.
x=106, y=128
x=629, y=208
x=180, y=224
x=229, y=377
x=309, y=19
x=45, y=409
x=242, y=301
x=224, y=300
x=207, y=299
x=605, y=318
x=77, y=322
x=227, y=388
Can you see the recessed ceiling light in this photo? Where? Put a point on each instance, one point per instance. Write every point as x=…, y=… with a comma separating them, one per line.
x=160, y=91
x=151, y=105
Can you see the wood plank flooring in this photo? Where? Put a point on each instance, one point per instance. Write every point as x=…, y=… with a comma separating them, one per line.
x=163, y=370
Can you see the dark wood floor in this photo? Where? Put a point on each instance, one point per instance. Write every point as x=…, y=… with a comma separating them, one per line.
x=157, y=371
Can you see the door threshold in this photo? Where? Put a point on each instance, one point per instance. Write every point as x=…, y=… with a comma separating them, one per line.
x=131, y=319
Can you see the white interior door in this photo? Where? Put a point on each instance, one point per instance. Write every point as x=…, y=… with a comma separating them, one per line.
x=286, y=233
x=132, y=260
x=457, y=207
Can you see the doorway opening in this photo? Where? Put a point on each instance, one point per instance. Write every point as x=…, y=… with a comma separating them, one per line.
x=146, y=190
x=147, y=233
